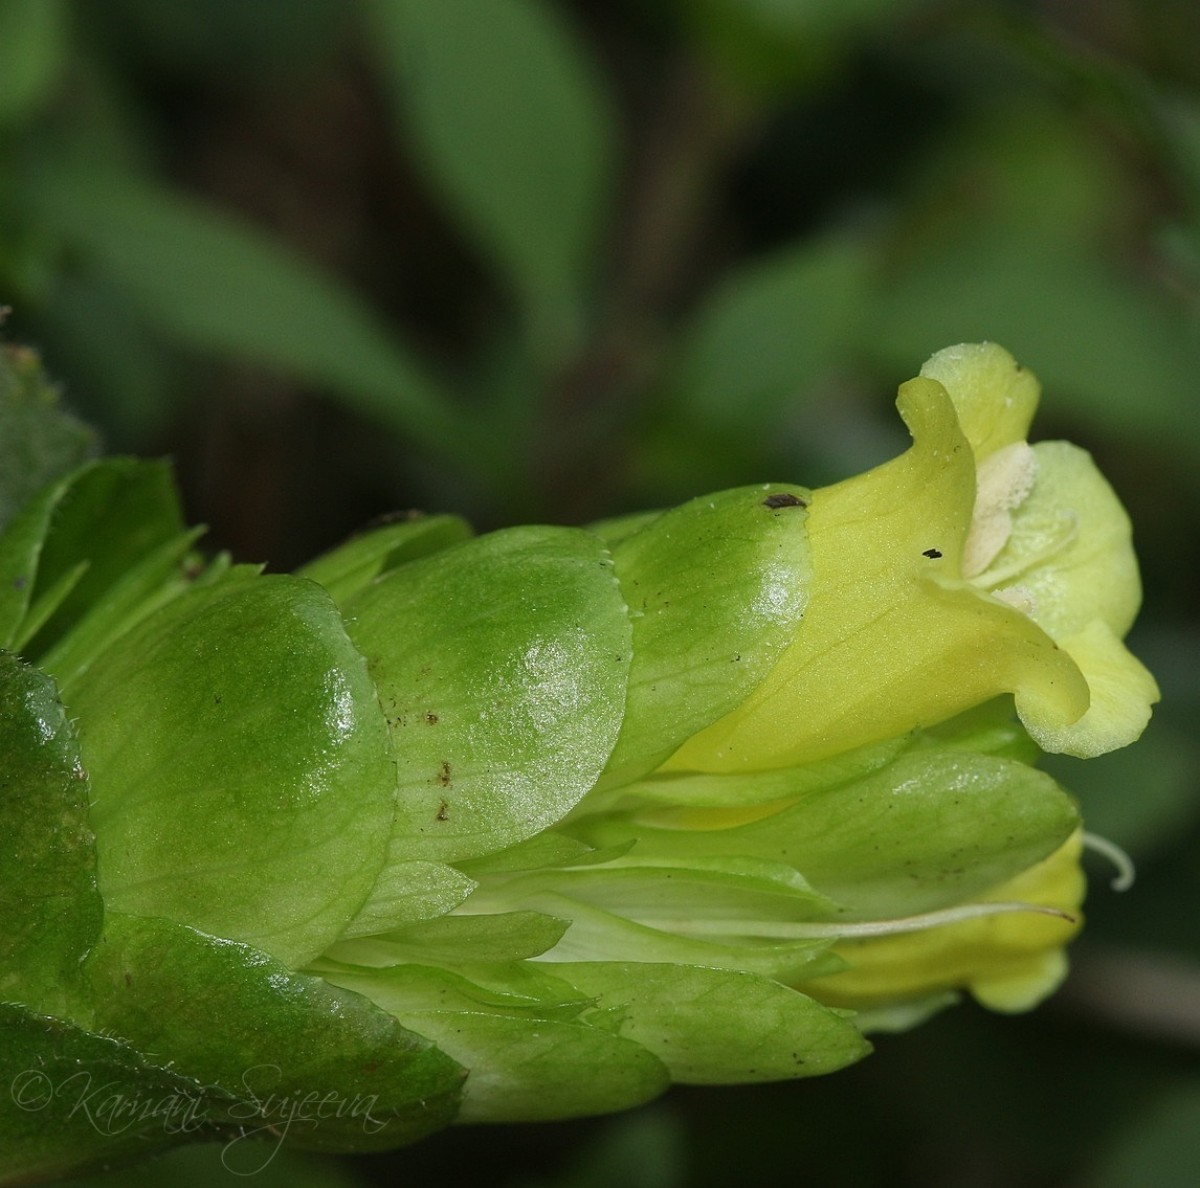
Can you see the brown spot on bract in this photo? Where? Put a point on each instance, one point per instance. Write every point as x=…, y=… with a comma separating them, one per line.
x=932, y=553
x=442, y=813
x=431, y=719
x=783, y=499
x=443, y=776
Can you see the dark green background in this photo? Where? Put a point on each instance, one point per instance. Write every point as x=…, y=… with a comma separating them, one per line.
x=540, y=260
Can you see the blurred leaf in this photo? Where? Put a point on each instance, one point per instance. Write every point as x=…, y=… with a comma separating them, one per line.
x=767, y=336
x=1110, y=350
x=509, y=118
x=219, y=1163
x=770, y=45
x=223, y=41
x=32, y=52
x=220, y=286
x=1161, y=1148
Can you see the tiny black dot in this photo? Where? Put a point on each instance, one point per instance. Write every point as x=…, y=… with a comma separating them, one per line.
x=934, y=553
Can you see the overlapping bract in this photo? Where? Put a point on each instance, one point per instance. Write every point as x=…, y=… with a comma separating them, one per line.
x=533, y=824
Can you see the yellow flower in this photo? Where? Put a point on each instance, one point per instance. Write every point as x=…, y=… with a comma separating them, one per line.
x=970, y=566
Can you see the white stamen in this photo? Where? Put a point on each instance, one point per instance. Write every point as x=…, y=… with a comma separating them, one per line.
x=1002, y=483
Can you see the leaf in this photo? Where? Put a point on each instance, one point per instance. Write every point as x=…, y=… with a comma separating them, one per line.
x=241, y=773
x=74, y=1100
x=217, y=285
x=770, y=333
x=509, y=119
x=33, y=45
x=49, y=903
x=712, y=1026
x=285, y=1043
x=78, y=541
x=501, y=667
x=39, y=440
x=1110, y=350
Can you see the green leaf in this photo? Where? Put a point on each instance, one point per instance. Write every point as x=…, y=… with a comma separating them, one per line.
x=1158, y=1146
x=39, y=440
x=33, y=44
x=49, y=903
x=501, y=667
x=1110, y=350
x=712, y=1026
x=715, y=589
x=70, y=548
x=242, y=780
x=73, y=1100
x=347, y=569
x=218, y=285
x=284, y=1042
x=768, y=336
x=509, y=119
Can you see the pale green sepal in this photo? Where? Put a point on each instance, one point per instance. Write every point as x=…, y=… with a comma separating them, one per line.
x=345, y=570
x=598, y=935
x=518, y=989
x=719, y=1027
x=932, y=829
x=408, y=892
x=903, y=1016
x=615, y=529
x=452, y=939
x=669, y=891
x=994, y=396
x=501, y=666
x=751, y=790
x=540, y=1070
x=241, y=775
x=548, y=848
x=716, y=589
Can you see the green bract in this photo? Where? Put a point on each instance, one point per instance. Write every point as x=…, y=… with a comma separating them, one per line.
x=534, y=824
